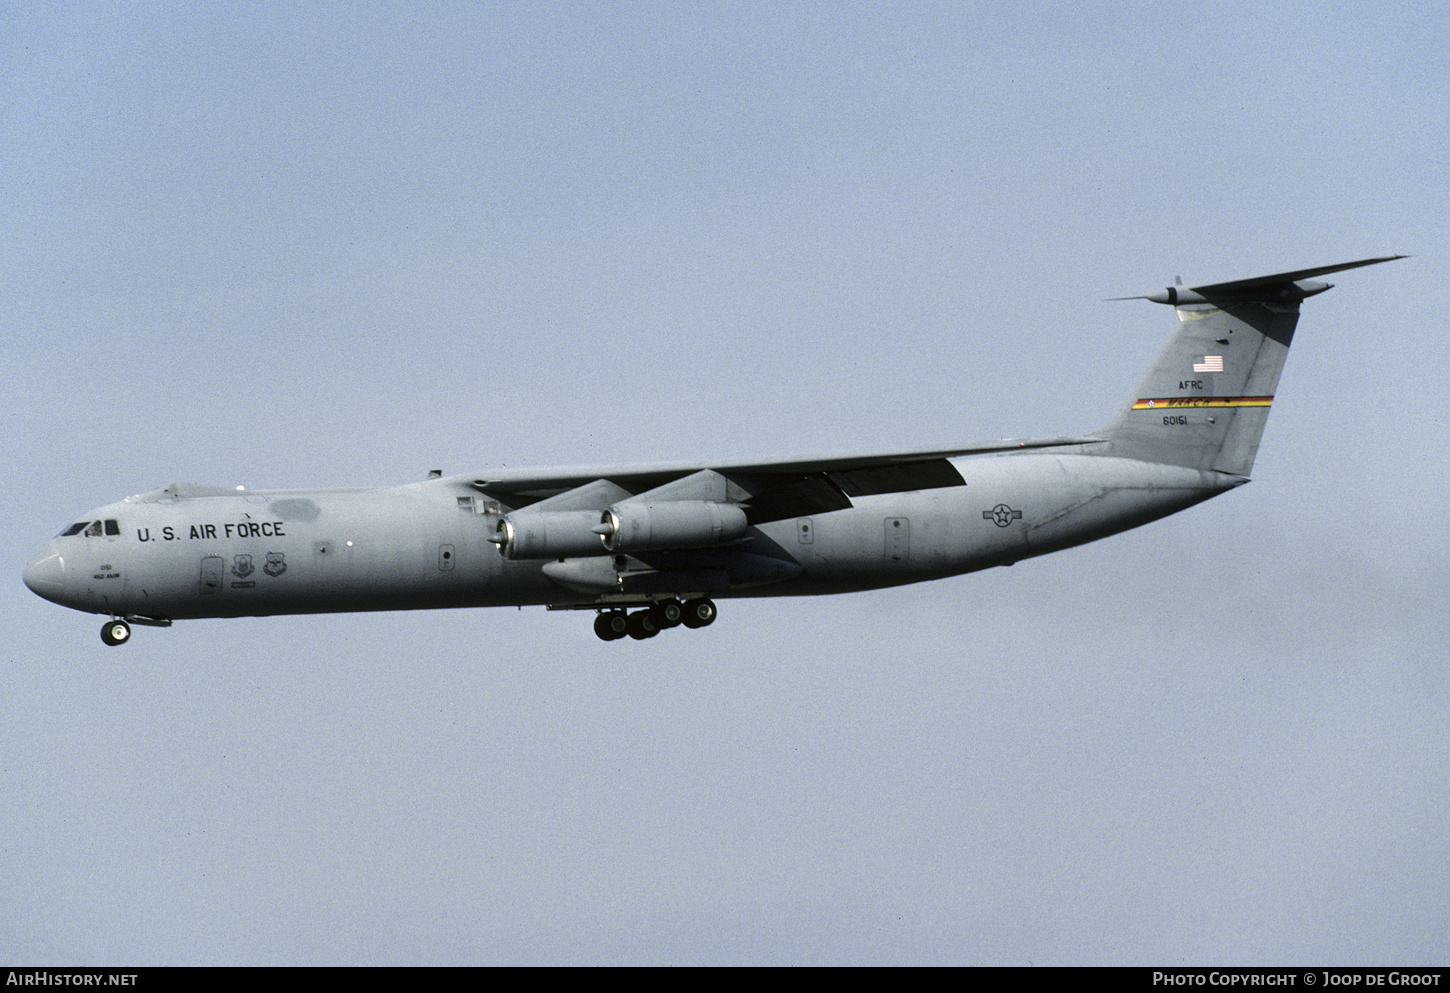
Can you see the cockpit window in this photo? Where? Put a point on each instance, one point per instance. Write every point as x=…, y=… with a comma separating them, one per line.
x=93, y=529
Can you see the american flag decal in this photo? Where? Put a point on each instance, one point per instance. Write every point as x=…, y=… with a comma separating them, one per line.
x=1210, y=363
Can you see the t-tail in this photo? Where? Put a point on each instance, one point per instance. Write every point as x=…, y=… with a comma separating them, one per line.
x=1204, y=401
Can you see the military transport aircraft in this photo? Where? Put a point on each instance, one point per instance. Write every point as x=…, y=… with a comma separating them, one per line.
x=653, y=546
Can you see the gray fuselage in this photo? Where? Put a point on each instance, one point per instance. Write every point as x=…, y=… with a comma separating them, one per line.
x=426, y=545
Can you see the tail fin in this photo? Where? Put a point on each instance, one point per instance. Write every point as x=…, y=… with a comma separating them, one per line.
x=1204, y=401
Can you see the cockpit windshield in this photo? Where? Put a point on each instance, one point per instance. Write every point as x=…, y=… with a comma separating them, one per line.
x=93, y=529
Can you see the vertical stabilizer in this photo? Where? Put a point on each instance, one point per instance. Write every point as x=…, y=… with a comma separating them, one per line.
x=1204, y=402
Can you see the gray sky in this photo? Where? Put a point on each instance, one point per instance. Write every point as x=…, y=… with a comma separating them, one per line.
x=320, y=245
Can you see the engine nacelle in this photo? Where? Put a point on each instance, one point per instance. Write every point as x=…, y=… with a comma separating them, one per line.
x=643, y=527
x=548, y=534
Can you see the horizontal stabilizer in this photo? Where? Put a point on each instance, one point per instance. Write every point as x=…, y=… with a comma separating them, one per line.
x=1288, y=287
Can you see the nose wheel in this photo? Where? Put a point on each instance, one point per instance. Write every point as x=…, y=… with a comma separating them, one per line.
x=115, y=633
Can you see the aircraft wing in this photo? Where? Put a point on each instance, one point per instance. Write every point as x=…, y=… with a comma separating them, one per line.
x=771, y=489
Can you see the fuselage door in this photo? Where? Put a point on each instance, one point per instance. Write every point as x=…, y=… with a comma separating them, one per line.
x=212, y=568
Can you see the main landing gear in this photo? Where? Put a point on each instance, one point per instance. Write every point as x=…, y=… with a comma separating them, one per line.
x=611, y=625
x=115, y=632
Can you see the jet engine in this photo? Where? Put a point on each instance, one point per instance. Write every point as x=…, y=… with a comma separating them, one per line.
x=642, y=527
x=547, y=534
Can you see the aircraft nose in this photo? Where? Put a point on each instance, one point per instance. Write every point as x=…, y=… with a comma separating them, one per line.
x=45, y=574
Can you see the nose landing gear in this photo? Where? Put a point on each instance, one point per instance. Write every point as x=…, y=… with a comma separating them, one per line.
x=115, y=632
